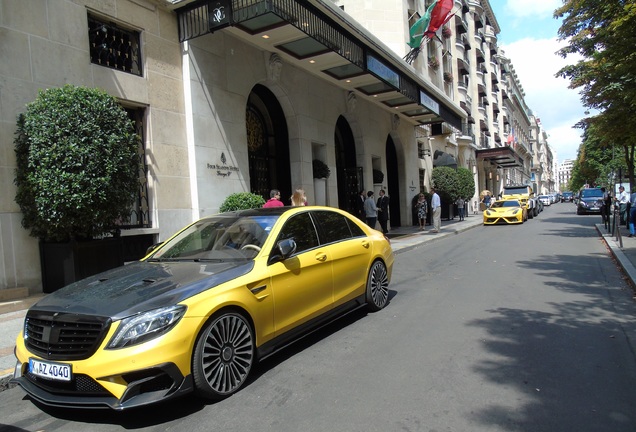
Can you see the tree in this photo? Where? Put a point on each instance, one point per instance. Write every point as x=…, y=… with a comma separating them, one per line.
x=76, y=164
x=596, y=164
x=447, y=183
x=466, y=183
x=601, y=32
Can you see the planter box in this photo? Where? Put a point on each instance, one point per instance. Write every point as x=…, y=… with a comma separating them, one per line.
x=65, y=263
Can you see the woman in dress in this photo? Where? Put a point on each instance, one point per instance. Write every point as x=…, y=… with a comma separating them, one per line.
x=422, y=209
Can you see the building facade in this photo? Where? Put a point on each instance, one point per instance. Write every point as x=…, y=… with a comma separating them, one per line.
x=242, y=95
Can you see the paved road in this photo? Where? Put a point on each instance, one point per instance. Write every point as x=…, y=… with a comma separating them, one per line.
x=507, y=328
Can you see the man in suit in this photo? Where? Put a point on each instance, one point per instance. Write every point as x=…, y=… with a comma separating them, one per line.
x=383, y=211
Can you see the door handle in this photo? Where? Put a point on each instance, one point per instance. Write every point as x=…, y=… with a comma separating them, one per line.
x=321, y=256
x=365, y=244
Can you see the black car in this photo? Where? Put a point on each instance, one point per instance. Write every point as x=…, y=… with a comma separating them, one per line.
x=590, y=200
x=567, y=196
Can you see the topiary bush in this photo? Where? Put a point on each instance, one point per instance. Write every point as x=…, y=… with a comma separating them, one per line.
x=241, y=201
x=378, y=176
x=320, y=169
x=77, y=164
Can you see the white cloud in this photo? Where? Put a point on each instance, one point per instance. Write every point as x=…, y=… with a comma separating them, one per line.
x=532, y=8
x=549, y=98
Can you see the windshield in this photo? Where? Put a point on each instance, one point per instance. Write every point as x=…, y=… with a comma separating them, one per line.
x=218, y=238
x=515, y=190
x=591, y=193
x=509, y=203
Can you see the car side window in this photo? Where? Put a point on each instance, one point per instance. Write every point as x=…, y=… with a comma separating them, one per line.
x=301, y=229
x=333, y=226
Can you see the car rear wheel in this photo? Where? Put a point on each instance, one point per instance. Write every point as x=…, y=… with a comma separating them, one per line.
x=223, y=356
x=377, y=286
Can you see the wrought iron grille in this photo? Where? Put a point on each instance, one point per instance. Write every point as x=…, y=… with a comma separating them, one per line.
x=114, y=47
x=140, y=211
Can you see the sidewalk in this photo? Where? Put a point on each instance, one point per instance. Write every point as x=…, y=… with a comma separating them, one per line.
x=403, y=239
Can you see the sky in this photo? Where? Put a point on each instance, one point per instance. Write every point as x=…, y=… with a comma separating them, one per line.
x=528, y=37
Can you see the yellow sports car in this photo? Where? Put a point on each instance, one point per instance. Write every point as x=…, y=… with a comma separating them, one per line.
x=201, y=309
x=506, y=212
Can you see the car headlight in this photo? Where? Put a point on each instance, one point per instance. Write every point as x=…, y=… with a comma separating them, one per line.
x=145, y=326
x=515, y=212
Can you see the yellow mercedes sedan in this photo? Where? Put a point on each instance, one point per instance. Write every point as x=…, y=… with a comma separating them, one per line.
x=199, y=311
x=506, y=212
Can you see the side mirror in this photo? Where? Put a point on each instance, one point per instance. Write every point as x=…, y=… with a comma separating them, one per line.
x=283, y=250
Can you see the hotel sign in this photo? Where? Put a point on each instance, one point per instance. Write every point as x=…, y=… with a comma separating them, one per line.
x=219, y=13
x=382, y=71
x=429, y=102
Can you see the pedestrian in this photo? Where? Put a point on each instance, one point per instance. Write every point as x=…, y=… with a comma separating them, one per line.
x=622, y=199
x=370, y=210
x=436, y=206
x=422, y=209
x=298, y=198
x=362, y=214
x=632, y=214
x=460, y=207
x=383, y=211
x=487, y=200
x=604, y=208
x=274, y=199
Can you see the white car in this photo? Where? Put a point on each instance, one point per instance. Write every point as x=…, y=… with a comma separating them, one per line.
x=545, y=199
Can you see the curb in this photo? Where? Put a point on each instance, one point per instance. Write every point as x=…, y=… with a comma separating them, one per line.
x=618, y=253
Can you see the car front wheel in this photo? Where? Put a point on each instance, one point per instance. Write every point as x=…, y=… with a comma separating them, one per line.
x=223, y=356
x=377, y=286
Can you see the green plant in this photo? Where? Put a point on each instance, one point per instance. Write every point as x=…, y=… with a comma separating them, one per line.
x=76, y=164
x=446, y=182
x=446, y=32
x=378, y=176
x=242, y=201
x=320, y=169
x=448, y=77
x=433, y=62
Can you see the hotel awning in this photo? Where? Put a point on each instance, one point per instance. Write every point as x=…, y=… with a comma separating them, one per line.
x=320, y=38
x=503, y=157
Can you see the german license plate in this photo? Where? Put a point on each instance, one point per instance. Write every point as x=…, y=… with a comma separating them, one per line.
x=54, y=371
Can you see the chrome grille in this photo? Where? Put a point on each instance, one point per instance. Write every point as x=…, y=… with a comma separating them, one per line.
x=59, y=336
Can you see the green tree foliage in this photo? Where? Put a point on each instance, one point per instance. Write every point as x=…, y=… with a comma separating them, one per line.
x=596, y=164
x=602, y=34
x=77, y=164
x=466, y=183
x=447, y=183
x=241, y=201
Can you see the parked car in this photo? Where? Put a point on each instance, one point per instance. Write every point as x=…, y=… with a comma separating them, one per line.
x=199, y=311
x=567, y=196
x=546, y=200
x=506, y=212
x=589, y=201
x=525, y=195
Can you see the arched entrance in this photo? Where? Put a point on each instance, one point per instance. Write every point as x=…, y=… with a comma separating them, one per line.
x=393, y=183
x=349, y=175
x=267, y=144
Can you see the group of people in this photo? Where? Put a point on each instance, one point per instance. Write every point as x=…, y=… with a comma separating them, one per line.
x=298, y=198
x=372, y=212
x=422, y=210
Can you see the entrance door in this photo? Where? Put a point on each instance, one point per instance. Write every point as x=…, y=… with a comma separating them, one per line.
x=267, y=144
x=393, y=183
x=349, y=175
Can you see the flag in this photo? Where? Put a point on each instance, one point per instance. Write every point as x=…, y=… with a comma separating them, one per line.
x=439, y=16
x=417, y=30
x=511, y=136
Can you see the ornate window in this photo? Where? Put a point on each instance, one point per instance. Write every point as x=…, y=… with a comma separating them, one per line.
x=113, y=46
